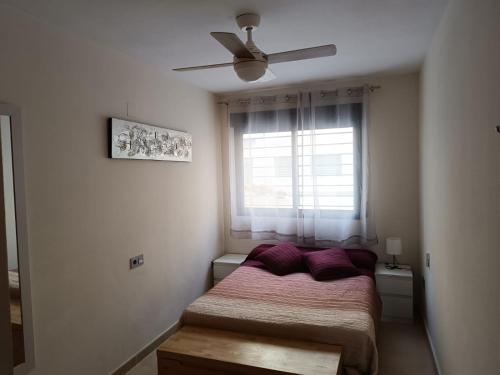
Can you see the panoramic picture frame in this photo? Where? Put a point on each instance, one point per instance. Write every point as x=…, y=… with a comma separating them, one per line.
x=134, y=140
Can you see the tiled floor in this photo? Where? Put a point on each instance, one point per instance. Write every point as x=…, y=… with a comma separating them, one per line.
x=146, y=367
x=403, y=350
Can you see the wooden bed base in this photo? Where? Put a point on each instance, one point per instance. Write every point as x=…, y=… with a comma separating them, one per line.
x=204, y=351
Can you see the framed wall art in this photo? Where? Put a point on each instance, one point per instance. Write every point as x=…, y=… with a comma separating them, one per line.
x=133, y=140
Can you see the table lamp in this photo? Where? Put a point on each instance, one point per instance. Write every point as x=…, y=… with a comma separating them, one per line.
x=393, y=247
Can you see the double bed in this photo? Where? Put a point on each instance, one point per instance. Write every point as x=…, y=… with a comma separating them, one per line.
x=343, y=312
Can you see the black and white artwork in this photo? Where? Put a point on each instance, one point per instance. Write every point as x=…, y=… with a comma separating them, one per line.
x=133, y=140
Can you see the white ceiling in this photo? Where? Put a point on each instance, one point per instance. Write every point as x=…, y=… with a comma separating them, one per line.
x=372, y=36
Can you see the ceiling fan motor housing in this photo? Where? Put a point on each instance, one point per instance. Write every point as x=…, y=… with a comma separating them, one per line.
x=250, y=70
x=248, y=20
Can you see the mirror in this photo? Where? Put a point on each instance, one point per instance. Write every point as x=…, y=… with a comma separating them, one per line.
x=16, y=319
x=13, y=241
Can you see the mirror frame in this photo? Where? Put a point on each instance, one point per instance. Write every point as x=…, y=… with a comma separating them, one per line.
x=22, y=238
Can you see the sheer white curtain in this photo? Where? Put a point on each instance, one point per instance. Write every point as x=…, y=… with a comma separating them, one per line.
x=299, y=168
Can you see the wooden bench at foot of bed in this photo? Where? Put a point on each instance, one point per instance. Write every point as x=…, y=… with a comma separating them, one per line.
x=203, y=351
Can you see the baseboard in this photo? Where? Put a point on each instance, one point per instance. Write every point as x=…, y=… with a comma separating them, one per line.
x=134, y=360
x=433, y=349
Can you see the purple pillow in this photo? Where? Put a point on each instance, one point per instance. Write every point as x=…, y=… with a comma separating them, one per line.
x=330, y=264
x=253, y=263
x=281, y=259
x=259, y=250
x=362, y=258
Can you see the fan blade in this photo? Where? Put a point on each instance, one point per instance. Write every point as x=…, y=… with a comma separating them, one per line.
x=233, y=44
x=268, y=76
x=201, y=67
x=302, y=54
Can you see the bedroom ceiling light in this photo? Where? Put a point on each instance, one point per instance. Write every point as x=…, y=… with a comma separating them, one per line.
x=250, y=71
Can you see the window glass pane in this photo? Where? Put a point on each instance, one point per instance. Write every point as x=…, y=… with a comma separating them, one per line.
x=268, y=170
x=325, y=169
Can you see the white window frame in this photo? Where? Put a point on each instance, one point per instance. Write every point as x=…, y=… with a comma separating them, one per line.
x=296, y=210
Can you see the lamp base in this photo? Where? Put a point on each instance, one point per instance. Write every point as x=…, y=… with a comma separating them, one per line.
x=394, y=265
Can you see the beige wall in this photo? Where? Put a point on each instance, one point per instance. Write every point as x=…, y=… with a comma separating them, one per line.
x=394, y=165
x=88, y=214
x=460, y=169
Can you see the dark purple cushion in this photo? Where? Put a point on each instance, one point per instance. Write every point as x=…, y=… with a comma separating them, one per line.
x=259, y=250
x=362, y=258
x=253, y=263
x=281, y=259
x=330, y=264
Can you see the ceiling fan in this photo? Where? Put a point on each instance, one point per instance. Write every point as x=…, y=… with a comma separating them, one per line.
x=249, y=62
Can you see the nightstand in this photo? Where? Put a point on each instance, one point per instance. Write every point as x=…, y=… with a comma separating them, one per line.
x=396, y=290
x=226, y=264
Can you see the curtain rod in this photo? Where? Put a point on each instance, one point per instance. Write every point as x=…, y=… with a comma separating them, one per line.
x=372, y=88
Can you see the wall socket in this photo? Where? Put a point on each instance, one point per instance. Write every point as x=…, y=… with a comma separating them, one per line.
x=428, y=260
x=136, y=261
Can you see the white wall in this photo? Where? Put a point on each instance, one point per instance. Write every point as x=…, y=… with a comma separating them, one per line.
x=88, y=214
x=460, y=169
x=394, y=112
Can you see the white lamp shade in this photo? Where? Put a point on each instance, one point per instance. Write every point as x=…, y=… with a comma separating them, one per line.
x=393, y=246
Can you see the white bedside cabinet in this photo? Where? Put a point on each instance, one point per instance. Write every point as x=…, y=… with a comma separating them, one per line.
x=396, y=290
x=226, y=264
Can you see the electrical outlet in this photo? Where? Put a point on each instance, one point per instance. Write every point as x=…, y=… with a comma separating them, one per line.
x=136, y=261
x=428, y=260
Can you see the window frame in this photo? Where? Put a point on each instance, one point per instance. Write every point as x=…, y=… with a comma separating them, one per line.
x=302, y=212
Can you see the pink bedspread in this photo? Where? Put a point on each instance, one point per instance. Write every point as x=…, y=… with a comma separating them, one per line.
x=343, y=312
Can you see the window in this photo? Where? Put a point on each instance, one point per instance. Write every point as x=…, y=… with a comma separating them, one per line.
x=280, y=167
x=268, y=176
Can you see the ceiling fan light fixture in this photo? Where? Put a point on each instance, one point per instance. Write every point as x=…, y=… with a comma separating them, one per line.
x=251, y=70
x=249, y=62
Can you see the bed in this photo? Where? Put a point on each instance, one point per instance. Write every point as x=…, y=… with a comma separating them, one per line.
x=253, y=300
